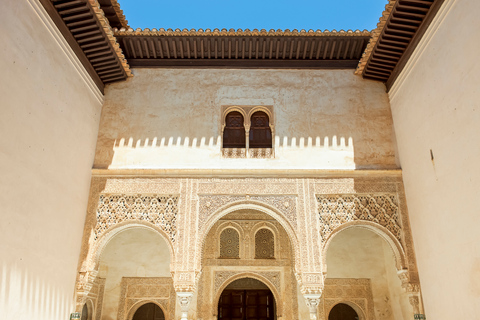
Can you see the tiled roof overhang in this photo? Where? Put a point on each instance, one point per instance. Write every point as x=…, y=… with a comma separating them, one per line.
x=399, y=31
x=242, y=49
x=87, y=30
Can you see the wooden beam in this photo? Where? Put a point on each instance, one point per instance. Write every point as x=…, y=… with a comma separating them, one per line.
x=244, y=63
x=413, y=44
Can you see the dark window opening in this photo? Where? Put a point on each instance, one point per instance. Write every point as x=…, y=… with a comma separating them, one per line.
x=234, y=132
x=260, y=132
x=149, y=311
x=342, y=311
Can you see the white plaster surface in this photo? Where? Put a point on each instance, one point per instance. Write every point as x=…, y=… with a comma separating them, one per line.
x=360, y=253
x=171, y=118
x=135, y=252
x=436, y=107
x=48, y=127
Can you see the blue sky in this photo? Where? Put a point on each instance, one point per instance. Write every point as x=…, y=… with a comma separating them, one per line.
x=260, y=14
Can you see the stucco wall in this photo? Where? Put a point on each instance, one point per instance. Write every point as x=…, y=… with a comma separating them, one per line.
x=435, y=107
x=48, y=128
x=171, y=118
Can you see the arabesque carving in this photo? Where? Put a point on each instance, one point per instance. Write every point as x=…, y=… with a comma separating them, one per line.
x=160, y=210
x=309, y=210
x=355, y=292
x=337, y=209
x=135, y=292
x=222, y=276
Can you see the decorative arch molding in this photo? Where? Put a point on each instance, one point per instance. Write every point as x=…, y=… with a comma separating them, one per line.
x=249, y=205
x=270, y=278
x=102, y=242
x=136, y=306
x=247, y=112
x=359, y=310
x=384, y=233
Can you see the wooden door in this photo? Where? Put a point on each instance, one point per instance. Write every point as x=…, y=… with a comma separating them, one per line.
x=246, y=305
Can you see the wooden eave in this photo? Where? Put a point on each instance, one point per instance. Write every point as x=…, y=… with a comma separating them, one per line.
x=243, y=48
x=113, y=13
x=87, y=31
x=399, y=31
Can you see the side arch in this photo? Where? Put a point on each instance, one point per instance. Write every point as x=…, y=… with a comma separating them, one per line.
x=136, y=306
x=102, y=242
x=255, y=206
x=384, y=233
x=268, y=283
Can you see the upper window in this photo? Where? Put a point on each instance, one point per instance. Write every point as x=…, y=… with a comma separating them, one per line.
x=234, y=132
x=260, y=132
x=229, y=244
x=264, y=244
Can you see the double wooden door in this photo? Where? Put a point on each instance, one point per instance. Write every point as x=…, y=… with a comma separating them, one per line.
x=246, y=305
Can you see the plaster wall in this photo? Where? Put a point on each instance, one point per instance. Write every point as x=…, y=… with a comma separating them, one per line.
x=171, y=118
x=132, y=253
x=359, y=253
x=435, y=107
x=48, y=128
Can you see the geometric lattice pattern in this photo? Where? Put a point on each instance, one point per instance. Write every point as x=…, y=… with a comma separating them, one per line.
x=264, y=244
x=335, y=210
x=160, y=210
x=229, y=244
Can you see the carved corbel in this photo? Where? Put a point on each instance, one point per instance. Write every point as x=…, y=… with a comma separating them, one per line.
x=312, y=301
x=408, y=284
x=184, y=299
x=85, y=280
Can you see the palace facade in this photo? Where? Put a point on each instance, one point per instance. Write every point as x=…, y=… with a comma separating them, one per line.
x=236, y=174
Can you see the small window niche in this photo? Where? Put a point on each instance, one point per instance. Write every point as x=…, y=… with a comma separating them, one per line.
x=247, y=132
x=229, y=244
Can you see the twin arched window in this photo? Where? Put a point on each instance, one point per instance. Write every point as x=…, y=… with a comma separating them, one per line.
x=230, y=244
x=234, y=134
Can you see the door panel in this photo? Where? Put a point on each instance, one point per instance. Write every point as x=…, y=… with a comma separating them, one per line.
x=246, y=305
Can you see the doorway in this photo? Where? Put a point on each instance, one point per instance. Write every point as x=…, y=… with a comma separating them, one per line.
x=343, y=311
x=246, y=299
x=149, y=311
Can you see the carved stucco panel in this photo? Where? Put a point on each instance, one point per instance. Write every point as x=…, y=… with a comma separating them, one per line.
x=337, y=209
x=145, y=290
x=355, y=292
x=209, y=204
x=222, y=276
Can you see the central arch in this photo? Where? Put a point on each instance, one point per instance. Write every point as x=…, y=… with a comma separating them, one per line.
x=254, y=206
x=243, y=275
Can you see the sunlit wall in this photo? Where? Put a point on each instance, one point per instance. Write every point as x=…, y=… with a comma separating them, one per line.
x=48, y=128
x=435, y=107
x=172, y=119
